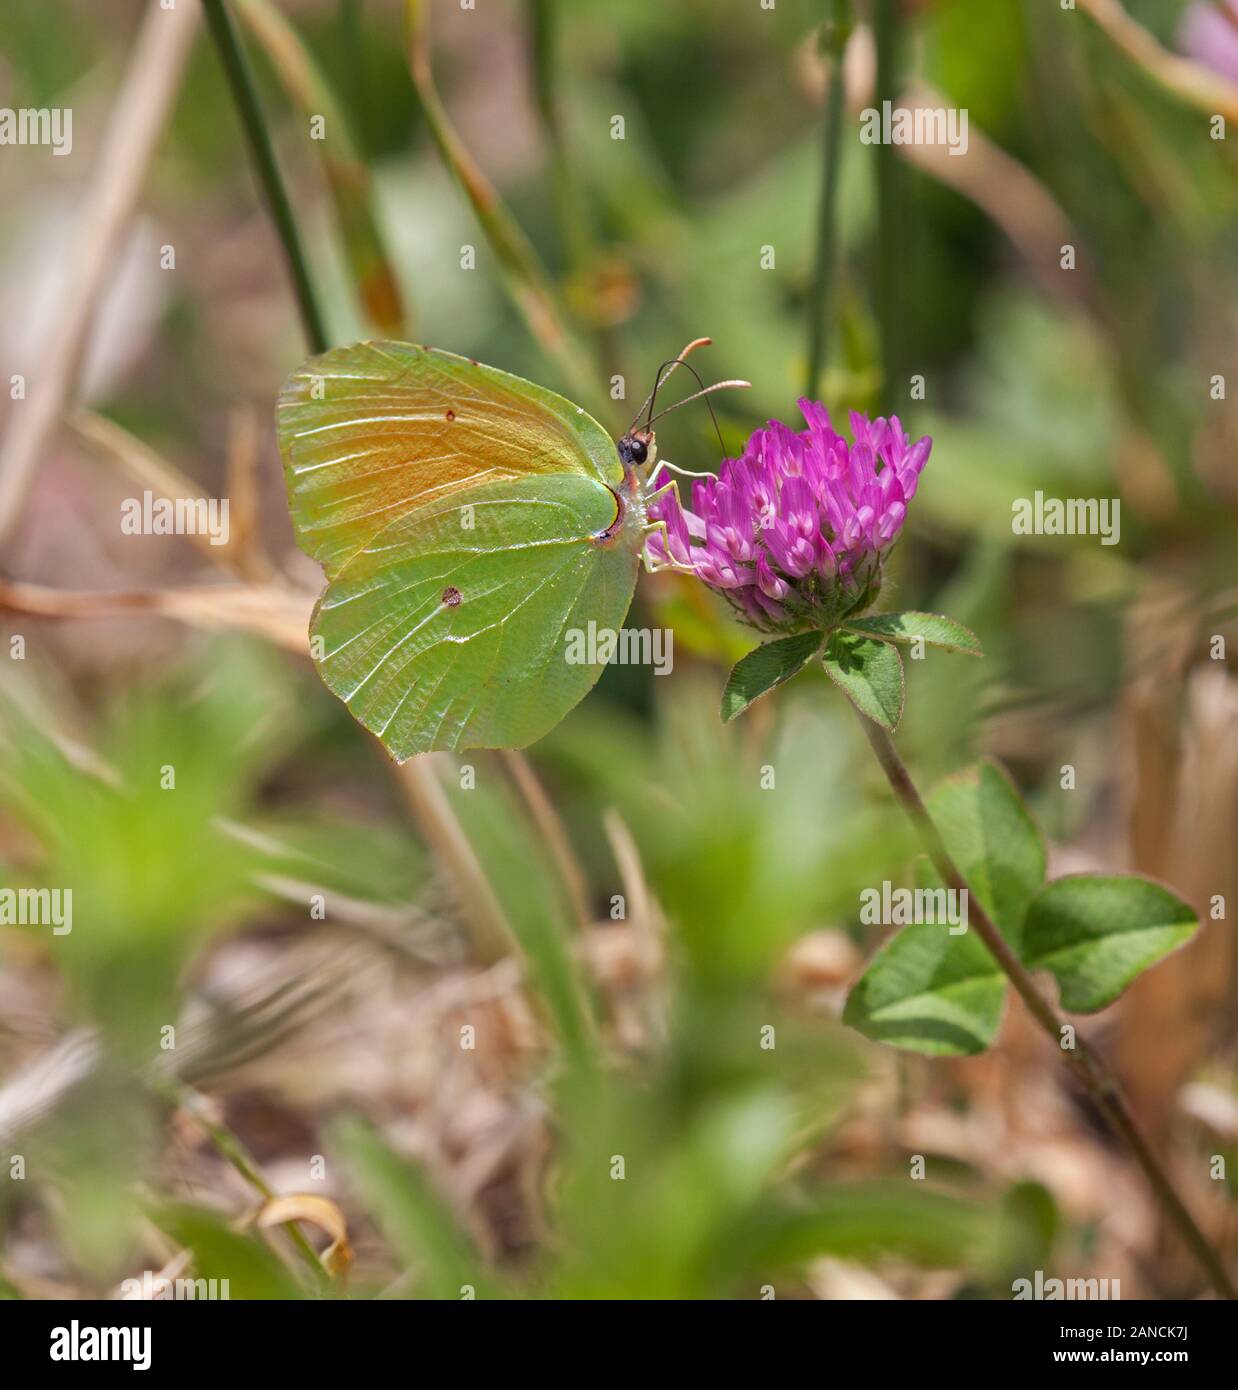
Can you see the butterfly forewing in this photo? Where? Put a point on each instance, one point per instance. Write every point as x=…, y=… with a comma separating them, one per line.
x=371, y=431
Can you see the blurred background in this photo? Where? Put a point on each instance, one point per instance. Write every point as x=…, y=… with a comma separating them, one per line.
x=566, y=1023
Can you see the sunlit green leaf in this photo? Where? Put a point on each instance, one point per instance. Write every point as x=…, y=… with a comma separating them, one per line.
x=993, y=841
x=1096, y=933
x=764, y=668
x=938, y=991
x=934, y=629
x=870, y=674
x=860, y=1221
x=930, y=992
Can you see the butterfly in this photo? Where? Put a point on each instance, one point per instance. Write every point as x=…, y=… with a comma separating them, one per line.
x=467, y=522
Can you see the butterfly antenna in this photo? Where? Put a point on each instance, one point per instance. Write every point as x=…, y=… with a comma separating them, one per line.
x=661, y=376
x=703, y=394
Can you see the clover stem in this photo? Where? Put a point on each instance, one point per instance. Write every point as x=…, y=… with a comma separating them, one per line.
x=1092, y=1070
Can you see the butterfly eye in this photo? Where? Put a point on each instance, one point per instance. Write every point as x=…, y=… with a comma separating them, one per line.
x=633, y=450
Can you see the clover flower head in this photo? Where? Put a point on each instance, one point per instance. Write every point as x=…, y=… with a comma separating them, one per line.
x=793, y=533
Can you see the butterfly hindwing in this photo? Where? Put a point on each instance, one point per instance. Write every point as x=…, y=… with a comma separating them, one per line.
x=451, y=628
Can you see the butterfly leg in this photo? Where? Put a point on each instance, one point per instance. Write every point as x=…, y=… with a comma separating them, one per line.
x=653, y=566
x=671, y=468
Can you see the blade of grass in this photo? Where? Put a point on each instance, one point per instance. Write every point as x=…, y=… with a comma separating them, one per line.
x=490, y=931
x=274, y=611
x=522, y=273
x=588, y=268
x=234, y=1151
x=553, y=832
x=247, y=552
x=152, y=79
x=833, y=40
x=143, y=466
x=420, y=1223
x=245, y=94
x=349, y=39
x=891, y=231
x=348, y=178
x=569, y=205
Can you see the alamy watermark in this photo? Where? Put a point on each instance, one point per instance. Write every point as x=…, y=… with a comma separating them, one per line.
x=1038, y=1287
x=37, y=125
x=625, y=646
x=82, y=1343
x=1039, y=515
x=37, y=907
x=149, y=515
x=159, y=1287
x=888, y=906
x=919, y=125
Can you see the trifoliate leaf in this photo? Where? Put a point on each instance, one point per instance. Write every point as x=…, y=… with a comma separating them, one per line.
x=764, y=668
x=870, y=675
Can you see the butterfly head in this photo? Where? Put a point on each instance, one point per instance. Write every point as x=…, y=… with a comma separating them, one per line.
x=637, y=449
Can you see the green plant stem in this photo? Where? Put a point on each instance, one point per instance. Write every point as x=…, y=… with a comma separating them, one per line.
x=569, y=208
x=245, y=94
x=352, y=50
x=348, y=177
x=1089, y=1066
x=833, y=41
x=231, y=1149
x=582, y=259
x=522, y=273
x=890, y=224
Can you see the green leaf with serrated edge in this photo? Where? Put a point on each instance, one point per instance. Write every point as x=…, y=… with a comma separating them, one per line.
x=764, y=668
x=1096, y=933
x=934, y=629
x=926, y=989
x=870, y=675
x=993, y=840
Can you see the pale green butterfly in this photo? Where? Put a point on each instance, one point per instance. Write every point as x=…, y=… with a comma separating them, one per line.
x=467, y=521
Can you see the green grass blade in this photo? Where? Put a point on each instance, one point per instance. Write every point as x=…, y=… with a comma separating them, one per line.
x=347, y=175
